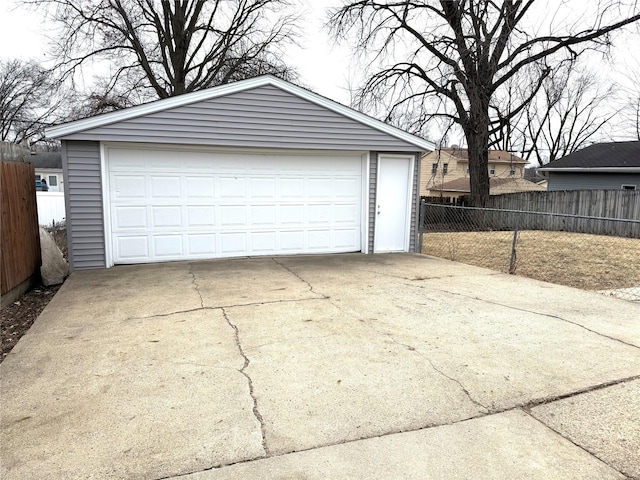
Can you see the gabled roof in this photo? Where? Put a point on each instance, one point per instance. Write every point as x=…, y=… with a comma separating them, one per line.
x=462, y=185
x=228, y=89
x=600, y=157
x=46, y=160
x=495, y=156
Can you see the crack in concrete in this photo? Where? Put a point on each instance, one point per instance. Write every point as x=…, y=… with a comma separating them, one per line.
x=197, y=309
x=299, y=278
x=422, y=278
x=195, y=284
x=568, y=439
x=413, y=349
x=543, y=314
x=256, y=412
x=455, y=380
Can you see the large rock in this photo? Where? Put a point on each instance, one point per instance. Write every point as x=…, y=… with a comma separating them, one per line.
x=54, y=267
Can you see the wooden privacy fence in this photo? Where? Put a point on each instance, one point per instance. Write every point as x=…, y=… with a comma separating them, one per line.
x=20, y=238
x=588, y=203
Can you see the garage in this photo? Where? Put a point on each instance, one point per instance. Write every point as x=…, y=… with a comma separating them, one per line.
x=252, y=168
x=180, y=204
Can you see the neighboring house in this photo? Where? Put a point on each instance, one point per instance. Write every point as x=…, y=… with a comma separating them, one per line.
x=613, y=165
x=497, y=186
x=48, y=166
x=256, y=167
x=445, y=165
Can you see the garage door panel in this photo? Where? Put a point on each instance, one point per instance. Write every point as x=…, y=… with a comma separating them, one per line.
x=319, y=240
x=348, y=213
x=292, y=241
x=263, y=215
x=263, y=242
x=165, y=187
x=199, y=187
x=204, y=244
x=345, y=238
x=130, y=217
x=292, y=188
x=129, y=186
x=262, y=188
x=318, y=188
x=166, y=216
x=291, y=214
x=200, y=216
x=132, y=247
x=233, y=243
x=319, y=213
x=344, y=187
x=232, y=187
x=167, y=246
x=190, y=205
x=233, y=215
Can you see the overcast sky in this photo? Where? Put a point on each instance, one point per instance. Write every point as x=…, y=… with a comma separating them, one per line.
x=323, y=68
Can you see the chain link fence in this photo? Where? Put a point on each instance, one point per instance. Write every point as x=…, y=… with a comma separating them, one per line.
x=591, y=253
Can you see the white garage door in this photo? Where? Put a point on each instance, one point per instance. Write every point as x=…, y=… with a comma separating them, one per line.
x=177, y=205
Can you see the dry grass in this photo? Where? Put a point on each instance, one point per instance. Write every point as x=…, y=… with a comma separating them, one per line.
x=590, y=262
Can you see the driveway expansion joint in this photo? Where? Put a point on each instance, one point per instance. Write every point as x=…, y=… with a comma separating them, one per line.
x=577, y=445
x=527, y=407
x=256, y=412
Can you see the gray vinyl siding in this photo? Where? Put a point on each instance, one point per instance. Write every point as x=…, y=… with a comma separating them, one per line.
x=83, y=202
x=261, y=117
x=373, y=180
x=591, y=181
x=415, y=205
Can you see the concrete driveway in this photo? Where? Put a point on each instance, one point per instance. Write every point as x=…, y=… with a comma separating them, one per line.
x=345, y=366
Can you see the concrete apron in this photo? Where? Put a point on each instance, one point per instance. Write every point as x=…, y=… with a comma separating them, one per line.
x=380, y=366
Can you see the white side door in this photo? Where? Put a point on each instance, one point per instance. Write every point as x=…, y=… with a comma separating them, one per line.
x=393, y=204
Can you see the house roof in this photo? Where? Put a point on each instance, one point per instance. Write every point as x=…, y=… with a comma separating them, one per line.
x=462, y=185
x=495, y=156
x=228, y=89
x=600, y=157
x=46, y=160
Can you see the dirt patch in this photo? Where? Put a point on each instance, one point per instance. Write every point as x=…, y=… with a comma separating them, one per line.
x=589, y=262
x=17, y=317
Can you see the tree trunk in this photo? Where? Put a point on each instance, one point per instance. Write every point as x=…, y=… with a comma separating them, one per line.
x=478, y=151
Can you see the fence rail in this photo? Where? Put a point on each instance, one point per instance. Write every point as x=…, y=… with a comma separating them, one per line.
x=594, y=253
x=20, y=239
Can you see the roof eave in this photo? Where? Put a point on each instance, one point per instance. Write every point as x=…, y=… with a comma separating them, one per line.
x=591, y=169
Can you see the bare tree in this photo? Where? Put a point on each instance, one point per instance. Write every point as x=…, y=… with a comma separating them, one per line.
x=457, y=55
x=630, y=112
x=570, y=111
x=29, y=101
x=171, y=47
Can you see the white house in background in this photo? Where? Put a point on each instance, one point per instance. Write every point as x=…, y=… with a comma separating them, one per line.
x=48, y=167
